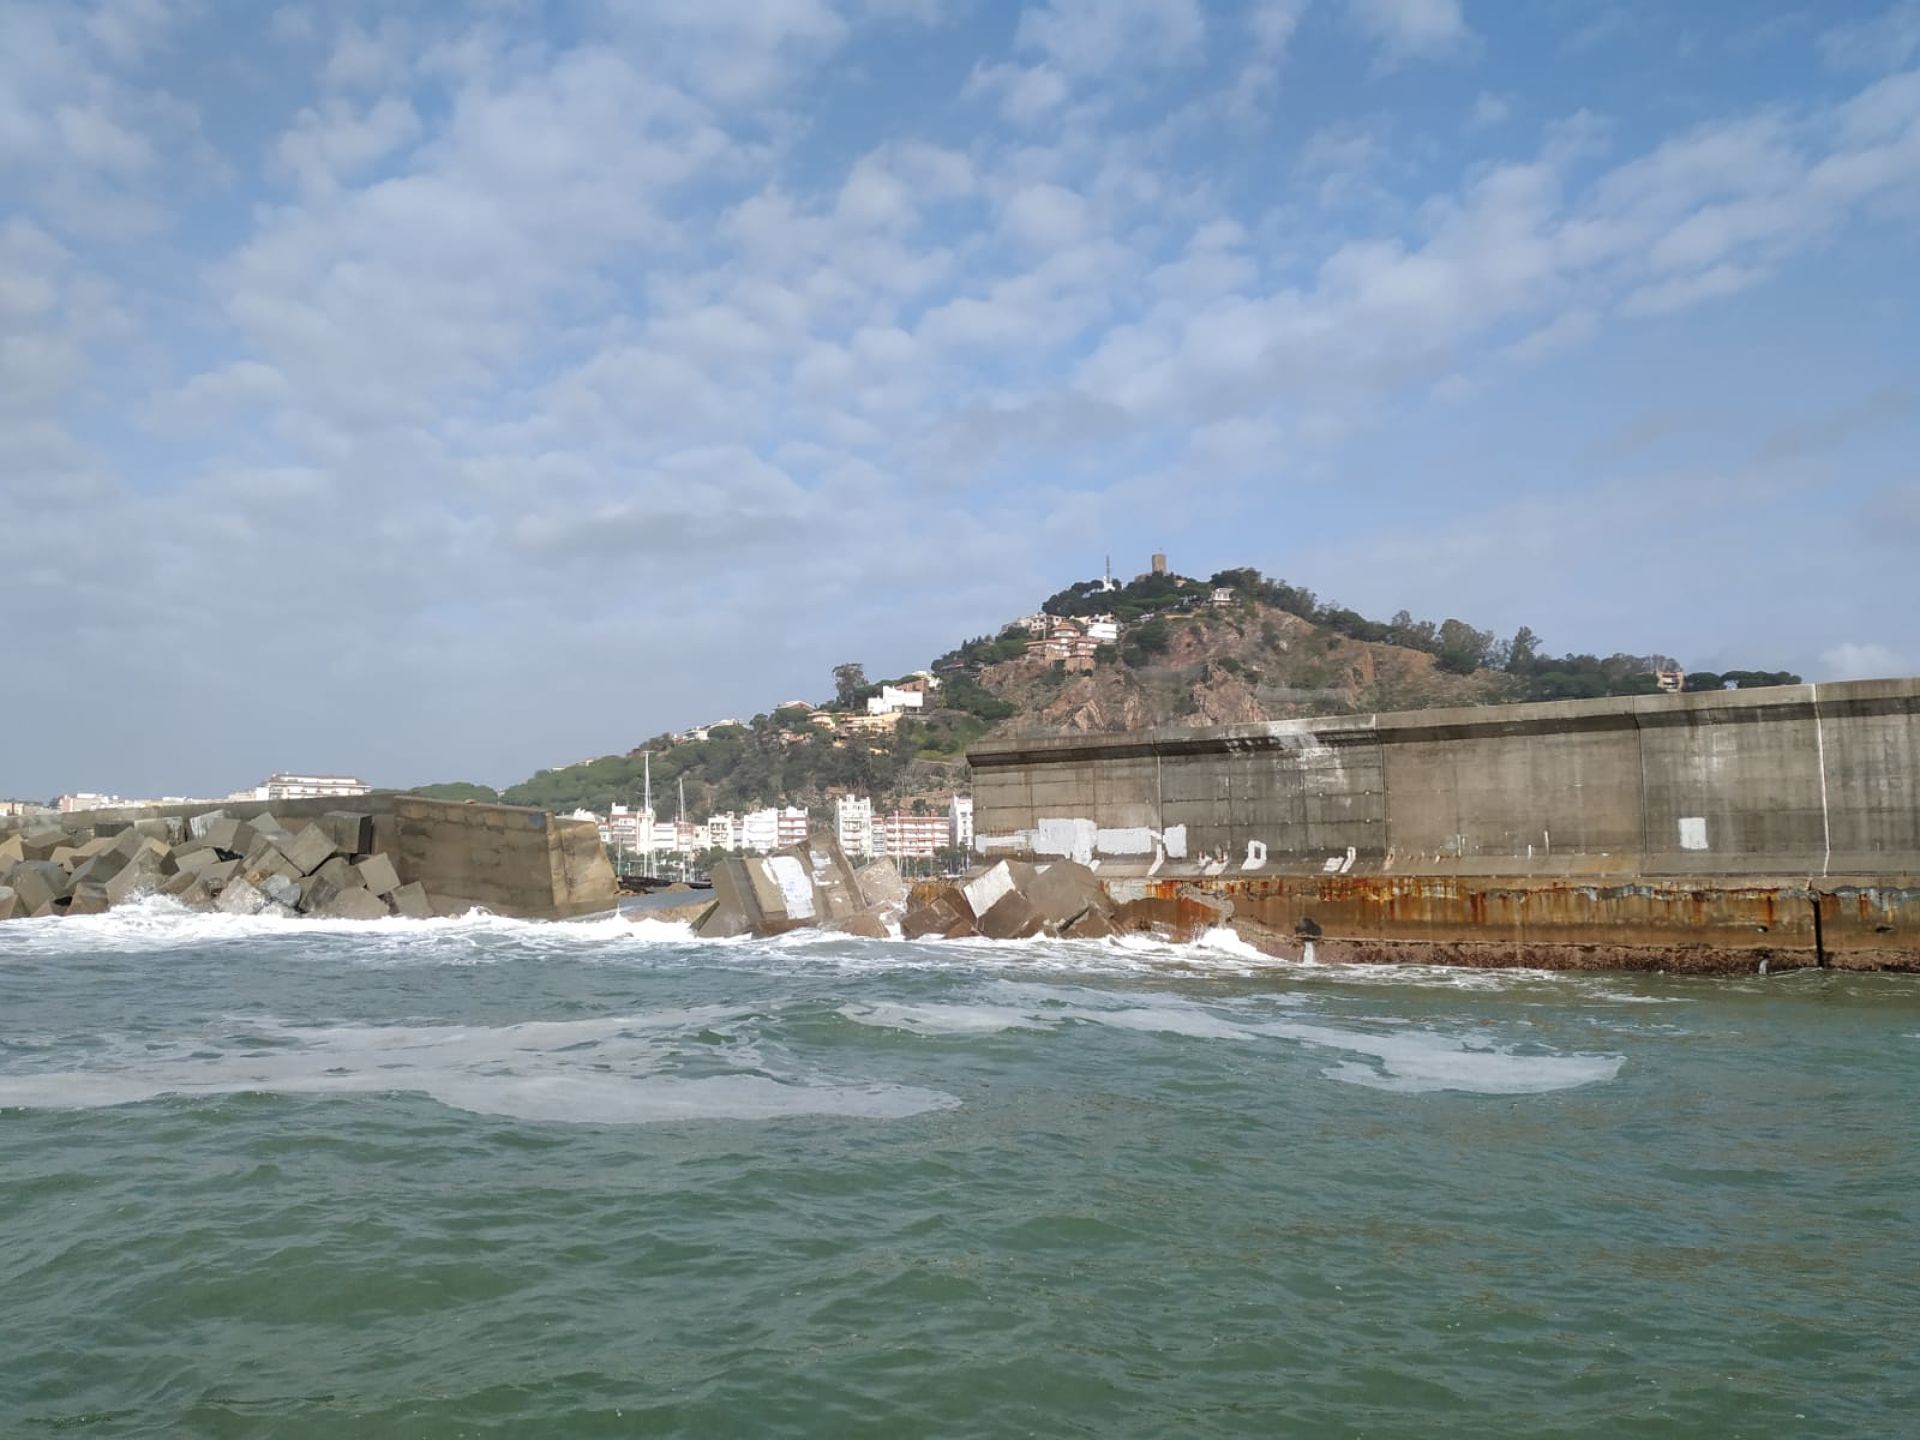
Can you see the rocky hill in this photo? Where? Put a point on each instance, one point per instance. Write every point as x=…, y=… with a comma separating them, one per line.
x=1164, y=649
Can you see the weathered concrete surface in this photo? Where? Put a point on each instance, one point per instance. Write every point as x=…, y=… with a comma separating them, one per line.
x=1797, y=780
x=1702, y=832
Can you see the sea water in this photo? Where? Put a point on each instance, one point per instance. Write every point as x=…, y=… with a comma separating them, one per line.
x=478, y=1177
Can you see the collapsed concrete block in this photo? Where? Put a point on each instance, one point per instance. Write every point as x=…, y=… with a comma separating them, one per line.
x=318, y=889
x=192, y=862
x=1063, y=892
x=236, y=837
x=943, y=916
x=67, y=857
x=309, y=849
x=176, y=884
x=266, y=823
x=89, y=898
x=1012, y=918
x=45, y=911
x=239, y=896
x=219, y=873
x=9, y=902
x=281, y=890
x=991, y=885
x=197, y=895
x=168, y=829
x=377, y=874
x=1093, y=924
x=355, y=903
x=411, y=902
x=735, y=911
x=39, y=882
x=197, y=825
x=869, y=924
x=350, y=831
x=880, y=883
x=12, y=852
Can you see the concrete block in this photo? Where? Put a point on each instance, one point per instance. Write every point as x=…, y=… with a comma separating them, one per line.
x=868, y=924
x=40, y=844
x=1012, y=918
x=880, y=883
x=264, y=858
x=67, y=857
x=350, y=831
x=1063, y=892
x=266, y=823
x=1093, y=924
x=281, y=890
x=356, y=903
x=167, y=829
x=197, y=825
x=89, y=898
x=236, y=837
x=734, y=911
x=945, y=916
x=410, y=902
x=192, y=862
x=175, y=884
x=239, y=897
x=985, y=890
x=137, y=876
x=318, y=889
x=219, y=873
x=309, y=849
x=46, y=911
x=197, y=895
x=12, y=852
x=377, y=874
x=9, y=902
x=39, y=882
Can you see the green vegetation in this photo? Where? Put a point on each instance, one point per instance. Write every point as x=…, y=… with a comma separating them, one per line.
x=1141, y=644
x=457, y=790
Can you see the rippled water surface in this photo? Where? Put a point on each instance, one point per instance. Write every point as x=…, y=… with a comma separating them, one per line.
x=462, y=1178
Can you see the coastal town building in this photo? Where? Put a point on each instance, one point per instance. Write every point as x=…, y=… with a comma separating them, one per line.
x=24, y=807
x=901, y=835
x=853, y=825
x=284, y=785
x=723, y=832
x=892, y=699
x=960, y=822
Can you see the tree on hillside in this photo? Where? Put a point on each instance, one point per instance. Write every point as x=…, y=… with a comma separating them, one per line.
x=849, y=680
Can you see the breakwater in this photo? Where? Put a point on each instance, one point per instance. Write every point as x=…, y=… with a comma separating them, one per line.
x=1776, y=827
x=448, y=857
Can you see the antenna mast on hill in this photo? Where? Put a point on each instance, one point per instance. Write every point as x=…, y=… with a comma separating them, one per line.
x=647, y=810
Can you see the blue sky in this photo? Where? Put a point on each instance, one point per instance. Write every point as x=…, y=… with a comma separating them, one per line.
x=447, y=391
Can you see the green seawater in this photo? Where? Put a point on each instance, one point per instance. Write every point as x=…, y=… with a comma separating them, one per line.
x=481, y=1178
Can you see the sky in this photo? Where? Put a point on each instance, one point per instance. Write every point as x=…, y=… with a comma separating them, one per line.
x=441, y=392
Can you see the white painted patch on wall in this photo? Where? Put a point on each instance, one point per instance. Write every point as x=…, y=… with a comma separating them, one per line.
x=1070, y=836
x=1256, y=855
x=796, y=886
x=1693, y=832
x=1175, y=838
x=1125, y=840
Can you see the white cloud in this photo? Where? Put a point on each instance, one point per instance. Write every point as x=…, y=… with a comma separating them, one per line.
x=1407, y=30
x=1886, y=41
x=1093, y=36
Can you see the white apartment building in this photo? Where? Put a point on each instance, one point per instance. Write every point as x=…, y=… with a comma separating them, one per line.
x=960, y=822
x=284, y=786
x=891, y=701
x=770, y=829
x=723, y=832
x=853, y=826
x=901, y=835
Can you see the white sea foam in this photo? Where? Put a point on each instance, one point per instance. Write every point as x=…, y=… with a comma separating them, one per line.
x=606, y=1070
x=1408, y=1059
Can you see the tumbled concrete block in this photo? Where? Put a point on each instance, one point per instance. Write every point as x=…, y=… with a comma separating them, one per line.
x=197, y=825
x=350, y=831
x=266, y=823
x=39, y=882
x=868, y=924
x=68, y=858
x=880, y=883
x=377, y=874
x=944, y=916
x=197, y=895
x=1093, y=924
x=236, y=837
x=309, y=849
x=239, y=897
x=1012, y=918
x=219, y=873
x=9, y=902
x=734, y=910
x=281, y=890
x=410, y=902
x=356, y=903
x=89, y=899
x=1063, y=892
x=192, y=862
x=316, y=890
x=993, y=884
x=168, y=829
x=12, y=852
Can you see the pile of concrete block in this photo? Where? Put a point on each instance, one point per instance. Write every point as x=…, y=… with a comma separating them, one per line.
x=1012, y=900
x=804, y=886
x=325, y=867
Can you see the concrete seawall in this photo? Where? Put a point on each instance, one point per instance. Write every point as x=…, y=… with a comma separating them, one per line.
x=513, y=861
x=1588, y=832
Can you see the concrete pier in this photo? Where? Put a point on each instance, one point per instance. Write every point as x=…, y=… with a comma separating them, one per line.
x=1715, y=830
